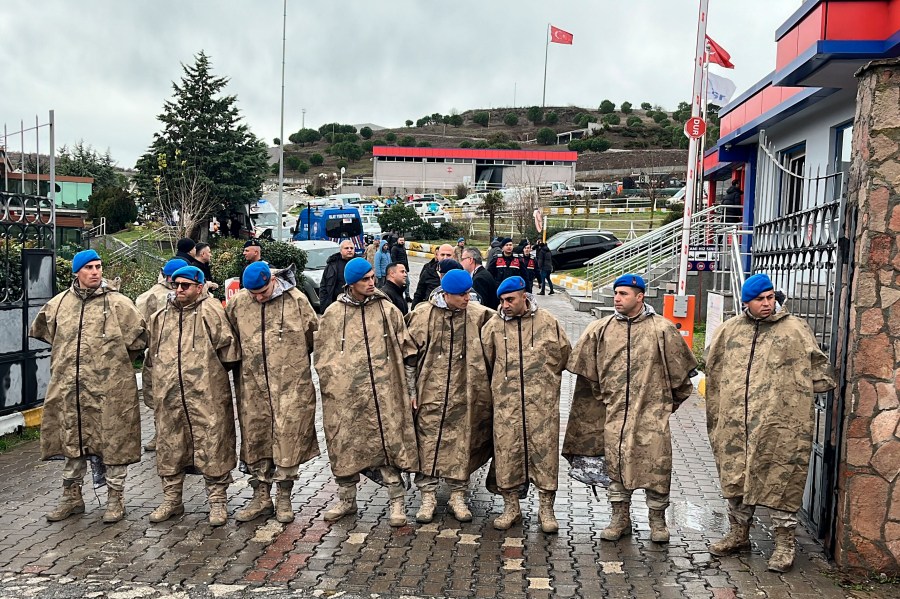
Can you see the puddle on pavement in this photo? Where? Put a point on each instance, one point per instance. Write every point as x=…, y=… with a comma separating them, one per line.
x=691, y=516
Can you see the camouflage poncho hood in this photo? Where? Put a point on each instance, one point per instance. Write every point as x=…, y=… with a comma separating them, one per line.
x=530, y=308
x=91, y=406
x=761, y=378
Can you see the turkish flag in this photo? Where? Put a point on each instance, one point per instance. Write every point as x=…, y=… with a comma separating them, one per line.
x=559, y=36
x=716, y=54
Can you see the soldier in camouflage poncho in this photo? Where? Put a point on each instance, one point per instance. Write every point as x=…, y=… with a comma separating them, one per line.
x=763, y=370
x=148, y=303
x=448, y=384
x=640, y=369
x=91, y=407
x=526, y=351
x=192, y=347
x=274, y=323
x=361, y=344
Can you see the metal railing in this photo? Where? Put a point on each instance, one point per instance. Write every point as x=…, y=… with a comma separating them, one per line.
x=98, y=230
x=655, y=254
x=145, y=248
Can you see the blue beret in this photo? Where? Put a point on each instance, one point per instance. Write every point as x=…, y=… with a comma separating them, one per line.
x=191, y=273
x=754, y=286
x=511, y=284
x=172, y=265
x=456, y=281
x=82, y=258
x=460, y=239
x=257, y=275
x=355, y=270
x=630, y=280
x=448, y=264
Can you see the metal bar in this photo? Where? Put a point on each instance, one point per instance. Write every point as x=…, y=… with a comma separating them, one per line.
x=52, y=194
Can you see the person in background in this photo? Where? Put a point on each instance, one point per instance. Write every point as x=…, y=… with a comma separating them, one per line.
x=382, y=259
x=544, y=266
x=429, y=279
x=372, y=246
x=203, y=255
x=482, y=281
x=494, y=250
x=333, y=276
x=252, y=253
x=398, y=255
x=185, y=251
x=507, y=263
x=458, y=250
x=395, y=284
x=529, y=267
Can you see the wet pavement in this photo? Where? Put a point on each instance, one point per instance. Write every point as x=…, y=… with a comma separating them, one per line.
x=362, y=556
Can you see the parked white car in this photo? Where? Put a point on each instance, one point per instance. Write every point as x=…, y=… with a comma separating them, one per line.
x=370, y=225
x=317, y=254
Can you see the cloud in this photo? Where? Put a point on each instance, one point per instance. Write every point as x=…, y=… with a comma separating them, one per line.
x=106, y=67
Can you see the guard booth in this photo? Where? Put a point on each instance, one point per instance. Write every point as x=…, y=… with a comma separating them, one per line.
x=27, y=282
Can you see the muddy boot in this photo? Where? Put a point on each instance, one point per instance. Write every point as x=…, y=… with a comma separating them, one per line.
x=151, y=444
x=218, y=514
x=659, y=533
x=458, y=507
x=346, y=504
x=284, y=511
x=619, y=524
x=398, y=512
x=71, y=503
x=115, y=506
x=738, y=538
x=782, y=559
x=426, y=512
x=549, y=524
x=172, y=504
x=512, y=513
x=261, y=504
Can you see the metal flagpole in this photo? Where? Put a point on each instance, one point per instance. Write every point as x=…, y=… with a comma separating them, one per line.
x=546, y=53
x=281, y=132
x=691, y=191
x=698, y=201
x=52, y=194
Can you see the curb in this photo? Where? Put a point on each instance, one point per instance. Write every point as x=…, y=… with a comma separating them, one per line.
x=571, y=283
x=26, y=418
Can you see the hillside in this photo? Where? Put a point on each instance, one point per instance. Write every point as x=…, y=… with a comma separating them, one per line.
x=635, y=139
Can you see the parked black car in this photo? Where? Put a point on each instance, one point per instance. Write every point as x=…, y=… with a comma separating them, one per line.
x=571, y=249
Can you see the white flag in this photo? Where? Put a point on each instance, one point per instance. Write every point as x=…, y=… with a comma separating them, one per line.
x=719, y=90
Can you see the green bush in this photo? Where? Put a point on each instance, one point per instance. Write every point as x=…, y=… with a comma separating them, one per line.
x=456, y=120
x=607, y=107
x=408, y=141
x=611, y=119
x=316, y=159
x=625, y=108
x=546, y=136
x=465, y=144
x=535, y=114
x=646, y=105
x=481, y=144
x=390, y=137
x=511, y=120
x=633, y=120
x=115, y=204
x=365, y=132
x=448, y=230
x=660, y=117
x=424, y=144
x=400, y=218
x=409, y=123
x=228, y=259
x=461, y=191
x=481, y=118
x=551, y=118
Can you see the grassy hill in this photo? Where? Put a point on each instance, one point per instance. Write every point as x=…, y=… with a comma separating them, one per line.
x=644, y=136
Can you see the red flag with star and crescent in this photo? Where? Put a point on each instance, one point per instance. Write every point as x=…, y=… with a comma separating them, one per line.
x=559, y=36
x=717, y=54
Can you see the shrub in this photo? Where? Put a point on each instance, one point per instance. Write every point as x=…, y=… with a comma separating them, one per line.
x=316, y=159
x=481, y=118
x=409, y=123
x=292, y=162
x=535, y=114
x=465, y=144
x=646, y=105
x=114, y=203
x=456, y=120
x=424, y=144
x=625, y=108
x=586, y=118
x=659, y=117
x=365, y=132
x=448, y=230
x=367, y=146
x=461, y=191
x=551, y=118
x=607, y=107
x=546, y=136
x=633, y=120
x=379, y=142
x=303, y=167
x=400, y=219
x=390, y=137
x=407, y=141
x=341, y=163
x=481, y=144
x=276, y=141
x=511, y=120
x=611, y=119
x=228, y=260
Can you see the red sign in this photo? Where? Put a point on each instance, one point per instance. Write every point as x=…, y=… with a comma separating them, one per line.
x=232, y=286
x=695, y=127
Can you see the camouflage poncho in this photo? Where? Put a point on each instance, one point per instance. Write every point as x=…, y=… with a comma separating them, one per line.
x=91, y=406
x=639, y=370
x=761, y=376
x=148, y=303
x=191, y=349
x=276, y=397
x=526, y=356
x=360, y=348
x=453, y=422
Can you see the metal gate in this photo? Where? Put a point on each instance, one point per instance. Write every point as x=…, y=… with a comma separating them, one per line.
x=27, y=281
x=802, y=239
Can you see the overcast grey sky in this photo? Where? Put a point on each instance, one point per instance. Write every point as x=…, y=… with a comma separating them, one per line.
x=106, y=66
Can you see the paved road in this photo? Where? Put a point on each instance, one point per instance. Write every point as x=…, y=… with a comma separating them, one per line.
x=363, y=556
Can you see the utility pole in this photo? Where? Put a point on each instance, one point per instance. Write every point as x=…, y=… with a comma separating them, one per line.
x=281, y=131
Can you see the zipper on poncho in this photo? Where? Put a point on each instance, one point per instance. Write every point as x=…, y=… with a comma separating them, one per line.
x=187, y=414
x=78, y=380
x=437, y=447
x=522, y=396
x=266, y=364
x=362, y=310
x=627, y=397
x=747, y=388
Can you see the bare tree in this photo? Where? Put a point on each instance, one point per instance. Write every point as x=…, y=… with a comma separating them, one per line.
x=526, y=199
x=186, y=200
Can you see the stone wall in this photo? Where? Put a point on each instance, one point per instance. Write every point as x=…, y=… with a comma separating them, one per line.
x=867, y=532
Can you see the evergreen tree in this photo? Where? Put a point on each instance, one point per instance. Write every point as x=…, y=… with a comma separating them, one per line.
x=203, y=145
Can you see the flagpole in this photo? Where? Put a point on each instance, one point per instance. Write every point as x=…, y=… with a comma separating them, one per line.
x=691, y=183
x=546, y=54
x=703, y=113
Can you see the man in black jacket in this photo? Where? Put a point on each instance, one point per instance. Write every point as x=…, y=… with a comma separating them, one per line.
x=398, y=255
x=333, y=278
x=185, y=251
x=429, y=279
x=732, y=202
x=482, y=281
x=507, y=263
x=395, y=284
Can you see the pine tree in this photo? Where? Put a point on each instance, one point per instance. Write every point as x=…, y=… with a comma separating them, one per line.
x=204, y=149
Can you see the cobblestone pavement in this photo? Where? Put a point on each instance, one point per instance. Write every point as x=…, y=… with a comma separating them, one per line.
x=363, y=556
